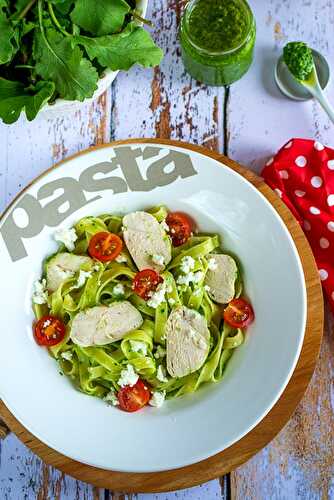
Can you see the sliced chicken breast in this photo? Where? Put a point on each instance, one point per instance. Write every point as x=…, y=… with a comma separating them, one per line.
x=187, y=341
x=147, y=242
x=221, y=278
x=102, y=325
x=62, y=267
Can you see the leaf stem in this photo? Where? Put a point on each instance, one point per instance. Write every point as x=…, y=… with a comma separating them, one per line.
x=24, y=12
x=24, y=66
x=55, y=20
x=142, y=19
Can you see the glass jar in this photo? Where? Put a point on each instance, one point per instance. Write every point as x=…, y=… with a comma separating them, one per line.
x=217, y=40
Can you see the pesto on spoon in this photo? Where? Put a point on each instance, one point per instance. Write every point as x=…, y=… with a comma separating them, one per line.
x=299, y=60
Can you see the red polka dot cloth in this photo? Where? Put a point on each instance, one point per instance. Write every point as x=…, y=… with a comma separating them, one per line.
x=302, y=174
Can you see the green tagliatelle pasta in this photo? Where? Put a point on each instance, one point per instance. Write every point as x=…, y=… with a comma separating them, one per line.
x=96, y=370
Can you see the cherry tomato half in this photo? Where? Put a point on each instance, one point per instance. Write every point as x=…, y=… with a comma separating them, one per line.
x=146, y=281
x=180, y=227
x=105, y=246
x=239, y=313
x=133, y=398
x=49, y=331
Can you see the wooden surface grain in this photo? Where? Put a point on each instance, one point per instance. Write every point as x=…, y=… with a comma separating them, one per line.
x=249, y=121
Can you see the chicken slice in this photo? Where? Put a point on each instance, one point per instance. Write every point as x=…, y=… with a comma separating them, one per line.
x=221, y=278
x=187, y=341
x=102, y=325
x=147, y=242
x=62, y=266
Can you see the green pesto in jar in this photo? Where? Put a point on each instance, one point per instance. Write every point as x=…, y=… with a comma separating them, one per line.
x=217, y=40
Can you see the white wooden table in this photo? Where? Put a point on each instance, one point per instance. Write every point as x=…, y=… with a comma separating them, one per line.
x=249, y=122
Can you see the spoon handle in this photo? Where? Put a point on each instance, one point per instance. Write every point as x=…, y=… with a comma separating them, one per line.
x=323, y=101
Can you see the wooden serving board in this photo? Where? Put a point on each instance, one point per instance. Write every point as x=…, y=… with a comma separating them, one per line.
x=264, y=432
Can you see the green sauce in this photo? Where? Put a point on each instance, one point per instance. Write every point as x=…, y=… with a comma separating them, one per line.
x=217, y=40
x=299, y=59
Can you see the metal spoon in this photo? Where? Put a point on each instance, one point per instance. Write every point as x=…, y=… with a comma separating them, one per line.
x=306, y=89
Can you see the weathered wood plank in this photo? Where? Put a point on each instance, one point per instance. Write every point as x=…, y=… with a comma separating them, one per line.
x=207, y=491
x=299, y=463
x=166, y=102
x=27, y=150
x=24, y=476
x=260, y=118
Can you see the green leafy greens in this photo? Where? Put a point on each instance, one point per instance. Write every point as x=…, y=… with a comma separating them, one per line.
x=60, y=48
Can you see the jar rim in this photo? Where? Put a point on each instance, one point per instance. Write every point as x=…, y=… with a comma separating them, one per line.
x=185, y=19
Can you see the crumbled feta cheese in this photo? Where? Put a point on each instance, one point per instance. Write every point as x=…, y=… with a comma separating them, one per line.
x=83, y=276
x=197, y=292
x=189, y=278
x=197, y=277
x=96, y=267
x=40, y=294
x=128, y=377
x=118, y=290
x=111, y=398
x=171, y=302
x=158, y=259
x=67, y=355
x=185, y=279
x=187, y=264
x=169, y=288
x=164, y=225
x=172, y=230
x=207, y=288
x=161, y=374
x=157, y=398
x=212, y=264
x=158, y=296
x=160, y=352
x=121, y=258
x=66, y=236
x=137, y=346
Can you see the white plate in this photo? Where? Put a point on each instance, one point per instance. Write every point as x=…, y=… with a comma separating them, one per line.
x=194, y=427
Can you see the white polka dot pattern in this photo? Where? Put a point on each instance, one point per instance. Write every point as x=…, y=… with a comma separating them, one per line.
x=303, y=175
x=323, y=274
x=318, y=146
x=330, y=200
x=307, y=225
x=324, y=243
x=299, y=193
x=284, y=174
x=300, y=161
x=316, y=181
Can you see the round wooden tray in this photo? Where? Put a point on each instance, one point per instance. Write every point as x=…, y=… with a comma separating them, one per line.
x=264, y=432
